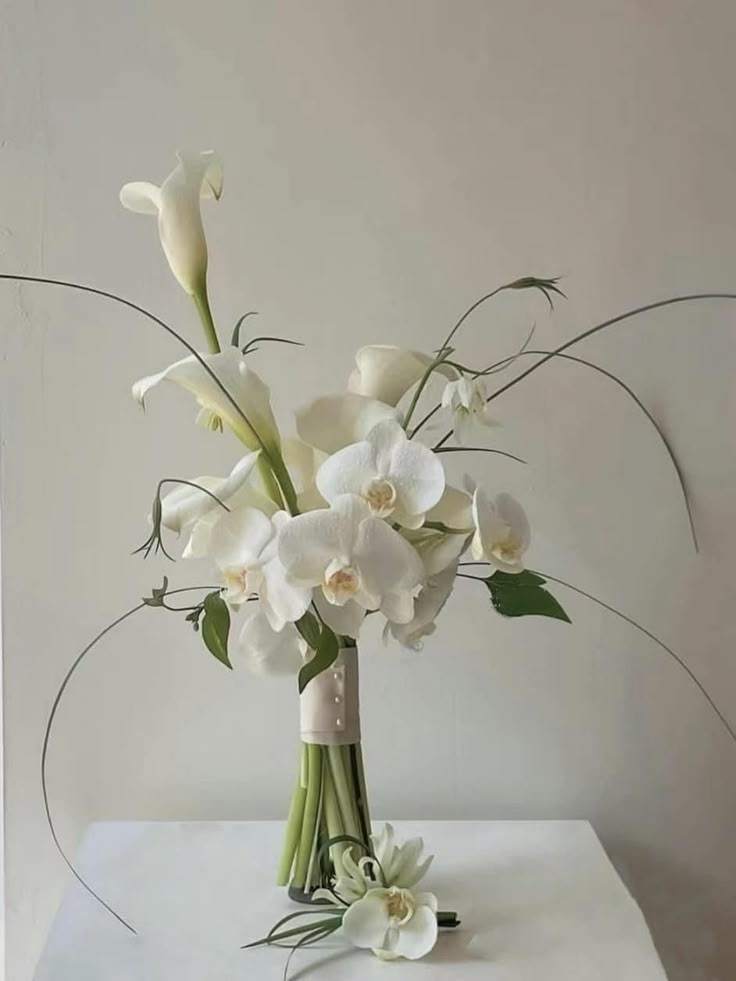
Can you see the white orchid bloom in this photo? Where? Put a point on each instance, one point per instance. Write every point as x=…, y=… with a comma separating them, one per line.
x=335, y=421
x=268, y=651
x=393, y=922
x=397, y=477
x=177, y=204
x=244, y=545
x=427, y=606
x=185, y=505
x=246, y=388
x=502, y=533
x=352, y=556
x=386, y=372
x=466, y=399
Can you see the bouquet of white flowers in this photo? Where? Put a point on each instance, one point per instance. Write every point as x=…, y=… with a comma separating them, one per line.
x=350, y=516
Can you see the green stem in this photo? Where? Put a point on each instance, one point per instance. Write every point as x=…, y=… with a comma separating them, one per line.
x=293, y=827
x=314, y=875
x=202, y=303
x=332, y=816
x=309, y=820
x=343, y=790
x=362, y=790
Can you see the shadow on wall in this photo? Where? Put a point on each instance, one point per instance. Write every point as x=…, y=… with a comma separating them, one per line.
x=691, y=920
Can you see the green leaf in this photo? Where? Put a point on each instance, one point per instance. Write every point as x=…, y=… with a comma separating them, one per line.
x=216, y=627
x=308, y=627
x=325, y=653
x=521, y=595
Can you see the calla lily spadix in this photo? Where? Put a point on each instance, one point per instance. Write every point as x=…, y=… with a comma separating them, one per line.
x=249, y=392
x=268, y=651
x=352, y=555
x=397, y=477
x=386, y=372
x=466, y=399
x=177, y=204
x=502, y=533
x=185, y=505
x=335, y=421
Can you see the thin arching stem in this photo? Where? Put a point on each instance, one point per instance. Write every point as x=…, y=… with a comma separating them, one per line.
x=671, y=301
x=47, y=737
x=647, y=633
x=279, y=475
x=479, y=449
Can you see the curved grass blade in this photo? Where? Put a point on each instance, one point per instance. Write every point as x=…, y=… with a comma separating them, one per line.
x=47, y=739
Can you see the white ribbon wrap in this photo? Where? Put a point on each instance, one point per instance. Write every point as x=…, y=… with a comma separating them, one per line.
x=329, y=709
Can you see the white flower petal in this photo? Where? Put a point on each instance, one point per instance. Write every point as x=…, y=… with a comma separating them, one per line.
x=427, y=606
x=515, y=517
x=269, y=652
x=311, y=542
x=184, y=505
x=502, y=531
x=387, y=561
x=366, y=922
x=346, y=472
x=239, y=537
x=177, y=203
x=417, y=937
x=398, y=477
x=141, y=197
x=386, y=372
x=345, y=620
x=335, y=421
x=247, y=390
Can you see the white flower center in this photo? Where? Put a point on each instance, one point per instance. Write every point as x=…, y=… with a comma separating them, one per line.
x=399, y=905
x=236, y=581
x=380, y=495
x=341, y=584
x=508, y=548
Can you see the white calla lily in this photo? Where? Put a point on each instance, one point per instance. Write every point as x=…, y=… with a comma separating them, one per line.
x=397, y=477
x=352, y=556
x=386, y=372
x=177, y=204
x=502, y=533
x=249, y=392
x=427, y=606
x=393, y=922
x=185, y=505
x=268, y=651
x=335, y=421
x=466, y=399
x=244, y=544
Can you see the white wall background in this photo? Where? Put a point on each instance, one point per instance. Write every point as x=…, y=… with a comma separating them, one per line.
x=386, y=163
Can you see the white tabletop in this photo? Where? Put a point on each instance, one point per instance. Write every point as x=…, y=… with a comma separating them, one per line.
x=539, y=901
